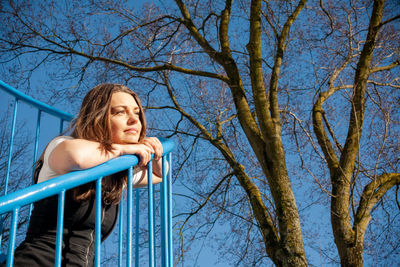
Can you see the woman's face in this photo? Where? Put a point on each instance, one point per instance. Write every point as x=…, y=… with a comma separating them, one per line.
x=125, y=123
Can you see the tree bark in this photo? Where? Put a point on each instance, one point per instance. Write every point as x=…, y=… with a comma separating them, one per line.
x=349, y=239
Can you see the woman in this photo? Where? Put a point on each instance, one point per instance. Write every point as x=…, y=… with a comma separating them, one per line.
x=110, y=123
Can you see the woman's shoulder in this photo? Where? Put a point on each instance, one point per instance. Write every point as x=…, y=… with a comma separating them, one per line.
x=59, y=139
x=46, y=172
x=55, y=142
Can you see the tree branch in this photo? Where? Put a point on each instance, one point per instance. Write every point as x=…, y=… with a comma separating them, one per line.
x=206, y=199
x=347, y=237
x=223, y=29
x=371, y=195
x=281, y=47
x=389, y=20
x=256, y=73
x=187, y=21
x=388, y=67
x=319, y=114
x=383, y=84
x=351, y=146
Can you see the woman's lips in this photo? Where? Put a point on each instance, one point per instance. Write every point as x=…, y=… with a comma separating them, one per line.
x=131, y=131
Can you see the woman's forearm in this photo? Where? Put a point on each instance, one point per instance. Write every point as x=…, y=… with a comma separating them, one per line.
x=78, y=154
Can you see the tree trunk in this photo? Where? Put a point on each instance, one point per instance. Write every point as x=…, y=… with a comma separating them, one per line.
x=349, y=239
x=351, y=255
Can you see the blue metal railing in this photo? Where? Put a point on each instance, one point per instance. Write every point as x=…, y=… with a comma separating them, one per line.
x=12, y=202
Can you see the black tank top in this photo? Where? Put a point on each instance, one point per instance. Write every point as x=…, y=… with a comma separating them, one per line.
x=38, y=248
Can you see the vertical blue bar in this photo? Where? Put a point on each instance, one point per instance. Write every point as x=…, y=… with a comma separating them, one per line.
x=129, y=223
x=154, y=227
x=120, y=231
x=37, y=135
x=61, y=125
x=9, y=161
x=11, y=145
x=1, y=227
x=13, y=233
x=150, y=211
x=35, y=153
x=97, y=229
x=170, y=248
x=137, y=204
x=164, y=219
x=60, y=227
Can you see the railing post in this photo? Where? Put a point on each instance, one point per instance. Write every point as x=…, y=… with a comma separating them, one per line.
x=137, y=214
x=150, y=213
x=61, y=126
x=13, y=233
x=169, y=192
x=35, y=153
x=11, y=146
x=60, y=227
x=97, y=229
x=39, y=115
x=164, y=219
x=129, y=215
x=9, y=162
x=120, y=231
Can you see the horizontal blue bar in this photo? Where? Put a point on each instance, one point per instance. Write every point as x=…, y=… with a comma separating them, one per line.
x=37, y=104
x=70, y=180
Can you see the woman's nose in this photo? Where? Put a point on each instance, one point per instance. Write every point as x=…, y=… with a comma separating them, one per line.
x=132, y=118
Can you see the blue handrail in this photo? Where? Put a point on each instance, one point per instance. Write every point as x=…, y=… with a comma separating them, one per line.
x=35, y=103
x=12, y=202
x=70, y=180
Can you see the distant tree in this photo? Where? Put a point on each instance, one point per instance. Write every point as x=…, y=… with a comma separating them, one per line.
x=263, y=96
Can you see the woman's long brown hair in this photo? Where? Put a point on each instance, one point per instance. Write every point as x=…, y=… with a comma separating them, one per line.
x=93, y=123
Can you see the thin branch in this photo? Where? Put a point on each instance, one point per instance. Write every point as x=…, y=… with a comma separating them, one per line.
x=383, y=68
x=330, y=19
x=383, y=84
x=207, y=199
x=330, y=130
x=389, y=20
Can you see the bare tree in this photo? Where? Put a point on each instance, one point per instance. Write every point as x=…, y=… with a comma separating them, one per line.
x=240, y=80
x=344, y=161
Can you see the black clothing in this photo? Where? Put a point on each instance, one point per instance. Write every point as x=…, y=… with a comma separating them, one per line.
x=38, y=248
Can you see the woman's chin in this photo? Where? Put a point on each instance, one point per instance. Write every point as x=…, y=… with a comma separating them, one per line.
x=131, y=141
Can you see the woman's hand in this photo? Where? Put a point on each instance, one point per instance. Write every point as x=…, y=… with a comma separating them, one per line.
x=155, y=145
x=144, y=151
